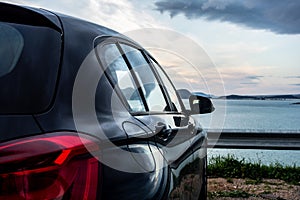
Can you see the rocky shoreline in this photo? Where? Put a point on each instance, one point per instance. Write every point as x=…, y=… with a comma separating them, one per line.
x=236, y=188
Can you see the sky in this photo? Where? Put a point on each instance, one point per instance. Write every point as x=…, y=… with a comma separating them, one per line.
x=222, y=47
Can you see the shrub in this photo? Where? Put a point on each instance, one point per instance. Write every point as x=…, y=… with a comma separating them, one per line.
x=231, y=167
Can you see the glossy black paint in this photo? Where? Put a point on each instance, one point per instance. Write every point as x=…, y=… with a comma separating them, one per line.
x=200, y=104
x=177, y=139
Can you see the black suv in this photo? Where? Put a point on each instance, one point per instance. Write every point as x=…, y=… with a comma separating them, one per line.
x=87, y=113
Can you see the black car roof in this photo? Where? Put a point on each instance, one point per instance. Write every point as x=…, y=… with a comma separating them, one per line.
x=41, y=17
x=27, y=15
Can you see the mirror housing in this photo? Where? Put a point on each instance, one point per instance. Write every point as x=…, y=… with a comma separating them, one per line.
x=200, y=105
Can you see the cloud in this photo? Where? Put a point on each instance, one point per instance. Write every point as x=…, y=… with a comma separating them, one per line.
x=277, y=16
x=251, y=80
x=121, y=16
x=253, y=77
x=292, y=77
x=249, y=83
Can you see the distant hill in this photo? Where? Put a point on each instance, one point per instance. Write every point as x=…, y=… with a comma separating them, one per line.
x=289, y=96
x=204, y=94
x=297, y=103
x=185, y=94
x=261, y=97
x=233, y=96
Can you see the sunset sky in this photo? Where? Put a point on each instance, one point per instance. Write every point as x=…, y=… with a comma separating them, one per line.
x=253, y=45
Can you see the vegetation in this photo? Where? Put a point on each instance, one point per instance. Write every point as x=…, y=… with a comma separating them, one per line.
x=234, y=194
x=231, y=167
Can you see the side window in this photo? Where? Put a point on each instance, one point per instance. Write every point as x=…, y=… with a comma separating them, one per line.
x=168, y=86
x=151, y=89
x=119, y=72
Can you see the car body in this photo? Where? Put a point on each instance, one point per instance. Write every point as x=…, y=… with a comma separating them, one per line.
x=87, y=113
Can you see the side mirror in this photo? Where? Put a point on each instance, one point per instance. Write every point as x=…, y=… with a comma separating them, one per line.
x=200, y=105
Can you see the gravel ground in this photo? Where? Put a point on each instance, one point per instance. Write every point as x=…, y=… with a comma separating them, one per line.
x=268, y=189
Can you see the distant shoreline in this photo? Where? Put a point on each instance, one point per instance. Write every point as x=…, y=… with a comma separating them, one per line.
x=296, y=103
x=185, y=94
x=252, y=99
x=271, y=97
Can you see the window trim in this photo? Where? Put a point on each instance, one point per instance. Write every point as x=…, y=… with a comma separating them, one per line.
x=158, y=78
x=150, y=57
x=100, y=42
x=135, y=78
x=109, y=78
x=161, y=83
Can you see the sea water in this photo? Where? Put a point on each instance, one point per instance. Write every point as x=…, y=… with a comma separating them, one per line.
x=274, y=115
x=256, y=115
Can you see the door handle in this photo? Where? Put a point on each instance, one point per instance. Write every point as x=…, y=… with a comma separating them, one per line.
x=185, y=129
x=163, y=131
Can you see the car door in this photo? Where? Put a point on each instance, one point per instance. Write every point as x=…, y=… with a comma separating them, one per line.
x=184, y=146
x=151, y=99
x=176, y=134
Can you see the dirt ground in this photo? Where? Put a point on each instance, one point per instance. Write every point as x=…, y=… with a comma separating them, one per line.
x=267, y=189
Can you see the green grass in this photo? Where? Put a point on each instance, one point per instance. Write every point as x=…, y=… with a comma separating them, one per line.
x=231, y=167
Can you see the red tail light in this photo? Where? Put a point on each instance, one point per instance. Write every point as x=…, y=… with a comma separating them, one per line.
x=49, y=166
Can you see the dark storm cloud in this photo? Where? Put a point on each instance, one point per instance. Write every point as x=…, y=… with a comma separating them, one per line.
x=279, y=16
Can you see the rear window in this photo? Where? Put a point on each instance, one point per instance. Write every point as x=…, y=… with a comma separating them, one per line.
x=29, y=62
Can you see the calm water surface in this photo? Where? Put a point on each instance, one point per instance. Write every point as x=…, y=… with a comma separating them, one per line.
x=256, y=115
x=264, y=115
